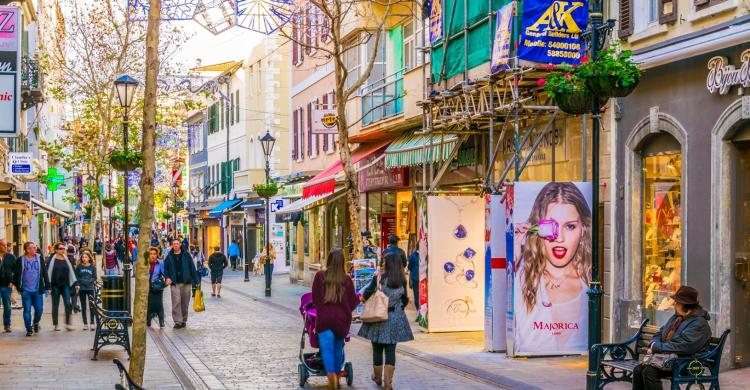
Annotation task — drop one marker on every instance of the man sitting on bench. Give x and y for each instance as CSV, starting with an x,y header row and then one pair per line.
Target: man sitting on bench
x,y
686,333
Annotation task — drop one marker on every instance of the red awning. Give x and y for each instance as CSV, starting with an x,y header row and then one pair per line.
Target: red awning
x,y
324,182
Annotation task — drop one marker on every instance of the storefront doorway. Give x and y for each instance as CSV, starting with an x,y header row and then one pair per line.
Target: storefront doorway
x,y
742,252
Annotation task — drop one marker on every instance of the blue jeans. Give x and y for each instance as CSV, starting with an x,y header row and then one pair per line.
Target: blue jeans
x,y
5,293
415,290
30,299
332,352
112,271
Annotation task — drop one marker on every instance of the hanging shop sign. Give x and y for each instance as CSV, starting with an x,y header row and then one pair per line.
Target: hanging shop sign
x,y
324,122
550,228
551,31
501,49
543,153
722,76
436,20
19,163
378,177
10,71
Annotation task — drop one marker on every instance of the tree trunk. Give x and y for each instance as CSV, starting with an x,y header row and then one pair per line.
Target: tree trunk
x,y
146,204
351,179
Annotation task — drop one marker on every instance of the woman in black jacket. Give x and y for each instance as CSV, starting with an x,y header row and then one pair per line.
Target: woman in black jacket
x,y
62,278
686,333
86,275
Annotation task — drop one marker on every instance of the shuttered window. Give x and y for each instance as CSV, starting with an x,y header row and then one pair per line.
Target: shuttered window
x,y
324,106
295,136
626,18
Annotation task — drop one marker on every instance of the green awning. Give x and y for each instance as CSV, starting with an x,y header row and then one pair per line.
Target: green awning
x,y
408,150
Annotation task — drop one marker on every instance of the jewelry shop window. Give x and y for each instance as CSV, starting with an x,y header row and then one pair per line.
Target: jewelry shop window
x,y
662,233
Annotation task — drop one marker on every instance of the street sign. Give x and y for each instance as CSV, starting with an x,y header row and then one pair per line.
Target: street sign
x,y
277,205
10,70
177,177
324,122
20,163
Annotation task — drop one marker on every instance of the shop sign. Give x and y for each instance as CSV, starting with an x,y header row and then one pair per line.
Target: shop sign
x,y
543,153
378,177
235,219
292,190
10,66
324,122
551,31
722,76
20,163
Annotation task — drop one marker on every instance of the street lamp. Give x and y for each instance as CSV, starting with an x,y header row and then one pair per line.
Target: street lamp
x,y
126,87
266,142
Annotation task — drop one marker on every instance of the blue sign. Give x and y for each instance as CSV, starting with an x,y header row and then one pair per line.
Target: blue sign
x,y
501,48
277,205
20,169
551,31
436,20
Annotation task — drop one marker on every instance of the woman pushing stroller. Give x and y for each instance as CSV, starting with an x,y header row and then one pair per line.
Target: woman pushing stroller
x,y
334,297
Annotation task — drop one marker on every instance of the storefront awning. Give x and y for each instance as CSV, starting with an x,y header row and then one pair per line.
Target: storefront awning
x,y
254,204
324,183
223,206
300,204
49,209
408,150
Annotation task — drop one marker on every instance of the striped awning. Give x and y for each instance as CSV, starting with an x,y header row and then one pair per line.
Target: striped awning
x,y
408,150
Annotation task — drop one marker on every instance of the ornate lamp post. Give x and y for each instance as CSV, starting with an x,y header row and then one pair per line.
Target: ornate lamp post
x,y
267,142
126,87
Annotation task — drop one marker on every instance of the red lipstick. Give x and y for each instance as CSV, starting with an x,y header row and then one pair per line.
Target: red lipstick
x,y
559,252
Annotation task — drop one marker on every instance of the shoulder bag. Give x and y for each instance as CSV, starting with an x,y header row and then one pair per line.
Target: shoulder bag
x,y
376,307
662,361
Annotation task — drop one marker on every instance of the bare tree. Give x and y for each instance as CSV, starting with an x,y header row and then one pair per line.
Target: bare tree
x,y
335,19
148,148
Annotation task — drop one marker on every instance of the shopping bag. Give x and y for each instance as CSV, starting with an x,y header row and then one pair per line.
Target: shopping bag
x,y
376,307
198,305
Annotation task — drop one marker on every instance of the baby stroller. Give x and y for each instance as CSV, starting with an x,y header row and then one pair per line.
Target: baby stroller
x,y
311,363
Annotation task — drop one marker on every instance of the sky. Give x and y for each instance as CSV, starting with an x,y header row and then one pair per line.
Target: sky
x,y
231,45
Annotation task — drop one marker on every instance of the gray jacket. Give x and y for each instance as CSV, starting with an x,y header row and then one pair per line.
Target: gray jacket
x,y
690,337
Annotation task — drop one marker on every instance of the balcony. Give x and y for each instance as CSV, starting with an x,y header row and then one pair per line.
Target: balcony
x,y
31,91
383,99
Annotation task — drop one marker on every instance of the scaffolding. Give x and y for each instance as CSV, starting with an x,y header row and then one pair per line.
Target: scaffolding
x,y
492,105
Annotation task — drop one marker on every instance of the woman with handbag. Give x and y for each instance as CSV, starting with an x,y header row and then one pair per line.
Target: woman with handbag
x,y
334,298
394,327
686,333
156,290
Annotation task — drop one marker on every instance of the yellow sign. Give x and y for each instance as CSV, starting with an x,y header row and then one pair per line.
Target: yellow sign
x,y
328,120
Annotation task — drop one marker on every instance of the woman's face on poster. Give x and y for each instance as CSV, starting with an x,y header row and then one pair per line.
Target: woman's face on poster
x,y
560,251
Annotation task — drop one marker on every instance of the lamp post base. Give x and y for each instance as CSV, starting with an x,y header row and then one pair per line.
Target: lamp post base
x,y
595,303
127,269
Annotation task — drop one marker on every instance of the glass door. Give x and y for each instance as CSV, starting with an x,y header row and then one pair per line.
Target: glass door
x,y
742,256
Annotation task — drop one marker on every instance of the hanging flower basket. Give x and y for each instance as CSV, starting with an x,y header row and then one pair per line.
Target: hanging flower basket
x,y
612,74
266,190
175,209
575,102
109,202
610,86
166,216
125,161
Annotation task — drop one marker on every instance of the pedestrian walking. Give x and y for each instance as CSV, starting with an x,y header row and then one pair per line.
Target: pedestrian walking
x,y
86,275
181,276
7,276
393,248
384,335
98,245
32,282
216,263
110,265
234,254
156,288
120,249
334,298
414,273
62,278
271,259
197,256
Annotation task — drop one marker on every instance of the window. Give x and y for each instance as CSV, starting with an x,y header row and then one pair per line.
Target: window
x,y
379,66
295,135
414,40
703,4
661,227
231,109
237,106
646,16
213,118
352,63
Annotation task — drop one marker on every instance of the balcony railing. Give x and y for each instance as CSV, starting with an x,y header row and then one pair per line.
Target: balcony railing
x,y
29,74
382,99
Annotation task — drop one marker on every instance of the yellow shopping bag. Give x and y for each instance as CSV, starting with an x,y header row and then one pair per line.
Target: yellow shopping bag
x,y
198,305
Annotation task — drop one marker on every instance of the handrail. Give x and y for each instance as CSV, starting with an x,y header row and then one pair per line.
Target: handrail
x,y
399,74
381,99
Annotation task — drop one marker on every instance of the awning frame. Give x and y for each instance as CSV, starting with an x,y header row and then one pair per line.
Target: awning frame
x,y
50,209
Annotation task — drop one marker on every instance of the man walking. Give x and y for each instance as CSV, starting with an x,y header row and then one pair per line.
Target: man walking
x,y
181,275
234,253
32,282
393,248
7,272
216,263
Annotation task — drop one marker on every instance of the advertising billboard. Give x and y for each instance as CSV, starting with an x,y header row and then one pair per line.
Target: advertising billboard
x,y
10,70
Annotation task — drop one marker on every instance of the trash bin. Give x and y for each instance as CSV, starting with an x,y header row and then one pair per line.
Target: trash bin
x,y
113,293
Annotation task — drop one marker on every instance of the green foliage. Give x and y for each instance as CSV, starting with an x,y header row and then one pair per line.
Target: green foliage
x,y
109,202
125,161
266,190
175,209
563,82
166,216
613,63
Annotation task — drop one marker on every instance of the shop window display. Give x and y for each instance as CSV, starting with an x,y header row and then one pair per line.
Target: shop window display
x,y
662,234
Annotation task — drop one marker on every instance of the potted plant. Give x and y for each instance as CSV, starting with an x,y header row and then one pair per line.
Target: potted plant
x,y
612,74
175,209
568,90
166,216
109,202
266,190
125,161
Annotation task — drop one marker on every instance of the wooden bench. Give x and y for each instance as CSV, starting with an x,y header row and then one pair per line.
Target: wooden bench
x,y
615,362
126,382
111,326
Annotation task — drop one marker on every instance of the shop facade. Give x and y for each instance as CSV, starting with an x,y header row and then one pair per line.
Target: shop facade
x,y
682,211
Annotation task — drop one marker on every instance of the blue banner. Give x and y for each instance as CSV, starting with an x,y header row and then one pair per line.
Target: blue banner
x,y
436,20
501,48
551,31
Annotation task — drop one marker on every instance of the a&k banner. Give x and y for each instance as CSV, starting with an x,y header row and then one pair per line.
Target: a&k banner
x,y
551,31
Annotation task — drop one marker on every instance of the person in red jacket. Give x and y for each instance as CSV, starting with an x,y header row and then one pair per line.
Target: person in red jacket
x,y
334,297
